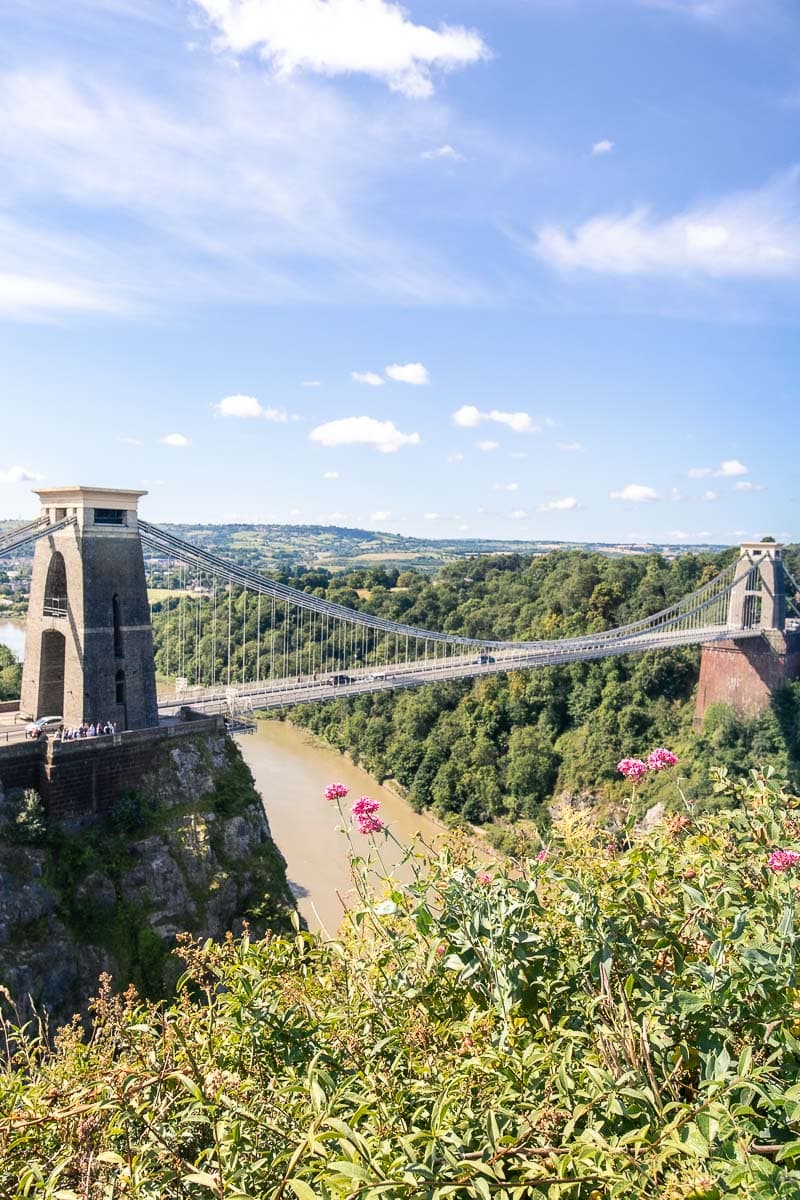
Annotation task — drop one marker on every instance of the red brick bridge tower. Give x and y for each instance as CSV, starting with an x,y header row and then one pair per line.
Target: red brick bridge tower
x,y
745,672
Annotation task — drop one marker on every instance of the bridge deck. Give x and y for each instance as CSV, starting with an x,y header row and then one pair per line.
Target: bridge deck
x,y
287,693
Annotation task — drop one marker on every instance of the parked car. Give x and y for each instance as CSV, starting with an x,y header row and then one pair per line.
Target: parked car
x,y
337,679
483,659
35,729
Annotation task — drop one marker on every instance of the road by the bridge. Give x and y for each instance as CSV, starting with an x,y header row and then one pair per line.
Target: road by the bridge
x,y
287,693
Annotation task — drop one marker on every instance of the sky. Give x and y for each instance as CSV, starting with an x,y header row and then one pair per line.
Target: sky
x,y
451,268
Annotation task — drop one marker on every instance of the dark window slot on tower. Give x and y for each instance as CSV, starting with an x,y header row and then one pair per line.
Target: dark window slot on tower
x,y
115,608
110,516
120,687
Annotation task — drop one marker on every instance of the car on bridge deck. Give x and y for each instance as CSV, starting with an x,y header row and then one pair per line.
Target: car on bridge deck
x,y
376,675
483,659
44,725
337,679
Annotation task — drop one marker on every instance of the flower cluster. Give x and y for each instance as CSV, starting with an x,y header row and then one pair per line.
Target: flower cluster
x,y
636,768
660,759
484,878
335,791
543,856
782,860
364,811
632,768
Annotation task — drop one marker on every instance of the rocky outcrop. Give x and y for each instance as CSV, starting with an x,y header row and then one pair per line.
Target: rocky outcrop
x,y
191,850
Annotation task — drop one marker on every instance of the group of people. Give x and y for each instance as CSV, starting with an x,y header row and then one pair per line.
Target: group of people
x,y
87,731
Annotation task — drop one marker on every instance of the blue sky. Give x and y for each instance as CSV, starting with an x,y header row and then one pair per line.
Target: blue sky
x,y
508,268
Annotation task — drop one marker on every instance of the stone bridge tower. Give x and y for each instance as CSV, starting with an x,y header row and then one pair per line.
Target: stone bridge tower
x,y
88,642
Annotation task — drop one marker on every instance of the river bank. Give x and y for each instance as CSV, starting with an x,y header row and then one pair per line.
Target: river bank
x,y
291,770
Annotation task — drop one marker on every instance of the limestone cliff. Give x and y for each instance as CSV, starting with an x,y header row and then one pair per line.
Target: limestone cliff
x,y
189,850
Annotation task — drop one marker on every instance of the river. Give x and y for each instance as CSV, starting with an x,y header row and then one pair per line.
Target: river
x,y
12,634
291,771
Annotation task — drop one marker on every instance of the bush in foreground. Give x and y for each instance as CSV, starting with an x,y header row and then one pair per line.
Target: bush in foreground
x,y
602,1021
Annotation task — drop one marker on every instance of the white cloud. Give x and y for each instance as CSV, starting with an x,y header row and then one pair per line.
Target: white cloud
x,y
311,383
488,446
518,514
571,447
604,146
248,407
446,151
753,234
414,373
367,377
636,493
128,441
333,37
469,417
730,468
431,516
363,431
463,528
175,439
711,495
457,457
744,485
335,516
505,487
383,514
568,504
19,475
330,474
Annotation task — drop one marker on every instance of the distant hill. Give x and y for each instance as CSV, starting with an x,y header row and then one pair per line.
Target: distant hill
x,y
286,546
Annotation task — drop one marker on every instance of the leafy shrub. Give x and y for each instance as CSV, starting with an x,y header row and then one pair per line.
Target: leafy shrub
x,y
590,1024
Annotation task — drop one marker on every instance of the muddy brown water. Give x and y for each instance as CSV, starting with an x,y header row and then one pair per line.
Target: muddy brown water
x,y
291,770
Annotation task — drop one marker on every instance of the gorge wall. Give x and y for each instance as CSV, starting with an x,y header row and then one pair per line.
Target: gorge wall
x,y
189,850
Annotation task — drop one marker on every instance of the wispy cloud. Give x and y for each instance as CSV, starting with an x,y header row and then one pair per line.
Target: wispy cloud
x,y
177,440
248,408
225,186
19,474
487,446
469,417
383,436
730,468
446,152
370,378
602,147
333,37
754,235
505,487
568,504
744,485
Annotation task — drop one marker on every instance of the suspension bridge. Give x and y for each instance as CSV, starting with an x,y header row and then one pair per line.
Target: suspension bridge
x,y
230,640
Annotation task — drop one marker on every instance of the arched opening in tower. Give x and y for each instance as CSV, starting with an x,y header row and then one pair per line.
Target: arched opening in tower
x,y
51,674
55,589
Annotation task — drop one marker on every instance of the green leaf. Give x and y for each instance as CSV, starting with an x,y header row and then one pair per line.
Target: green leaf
x,y
204,1179
302,1190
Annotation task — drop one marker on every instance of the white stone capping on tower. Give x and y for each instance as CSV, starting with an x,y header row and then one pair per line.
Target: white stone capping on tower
x,y
82,502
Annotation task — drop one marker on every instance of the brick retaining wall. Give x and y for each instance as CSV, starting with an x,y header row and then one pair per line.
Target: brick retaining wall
x,y
82,779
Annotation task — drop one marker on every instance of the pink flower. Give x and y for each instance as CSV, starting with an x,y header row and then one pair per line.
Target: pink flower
x,y
364,812
335,791
660,759
632,768
543,856
483,878
782,860
440,949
